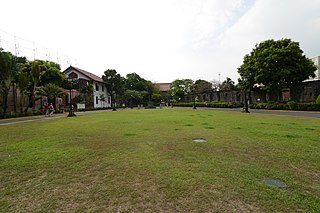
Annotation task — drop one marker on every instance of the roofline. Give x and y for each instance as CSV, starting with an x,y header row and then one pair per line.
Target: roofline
x,y
81,71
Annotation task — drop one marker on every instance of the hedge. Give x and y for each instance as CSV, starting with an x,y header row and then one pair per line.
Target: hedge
x,y
209,104
291,105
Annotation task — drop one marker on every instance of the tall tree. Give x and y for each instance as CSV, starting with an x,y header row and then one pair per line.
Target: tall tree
x,y
274,65
180,88
228,84
202,86
134,82
51,91
6,77
23,84
52,74
86,94
34,70
113,84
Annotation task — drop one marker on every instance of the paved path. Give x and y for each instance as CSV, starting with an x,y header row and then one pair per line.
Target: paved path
x,y
42,117
311,114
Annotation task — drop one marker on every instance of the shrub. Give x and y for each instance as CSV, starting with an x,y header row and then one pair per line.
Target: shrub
x,y
318,100
209,104
291,105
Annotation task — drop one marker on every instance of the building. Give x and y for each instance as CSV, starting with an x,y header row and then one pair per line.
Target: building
x,y
164,89
101,97
316,61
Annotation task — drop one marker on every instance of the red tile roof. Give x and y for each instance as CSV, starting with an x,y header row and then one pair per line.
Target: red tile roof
x,y
85,73
164,86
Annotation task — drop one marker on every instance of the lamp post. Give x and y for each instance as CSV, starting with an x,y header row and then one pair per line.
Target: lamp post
x,y
71,112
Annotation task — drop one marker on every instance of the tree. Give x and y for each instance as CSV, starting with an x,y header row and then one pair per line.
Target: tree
x,y
134,82
228,85
274,65
6,77
86,94
113,85
202,86
51,91
133,97
34,71
52,74
102,98
23,84
180,88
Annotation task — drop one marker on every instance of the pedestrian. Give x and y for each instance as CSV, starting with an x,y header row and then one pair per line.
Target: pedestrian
x,y
46,109
51,110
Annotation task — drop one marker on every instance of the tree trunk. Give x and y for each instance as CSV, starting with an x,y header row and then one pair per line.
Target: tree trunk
x,y
5,101
14,94
21,102
29,103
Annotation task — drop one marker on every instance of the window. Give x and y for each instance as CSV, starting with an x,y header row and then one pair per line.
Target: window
x,y
102,88
97,87
97,100
109,100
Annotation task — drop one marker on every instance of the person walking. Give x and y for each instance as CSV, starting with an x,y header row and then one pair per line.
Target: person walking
x,y
46,109
51,110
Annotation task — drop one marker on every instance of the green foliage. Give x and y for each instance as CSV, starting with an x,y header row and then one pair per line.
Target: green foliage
x,y
6,76
86,95
52,74
114,84
291,105
179,88
318,100
202,86
134,97
228,85
134,82
51,91
209,104
274,65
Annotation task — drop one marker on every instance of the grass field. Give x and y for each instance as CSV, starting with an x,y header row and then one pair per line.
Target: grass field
x,y
145,161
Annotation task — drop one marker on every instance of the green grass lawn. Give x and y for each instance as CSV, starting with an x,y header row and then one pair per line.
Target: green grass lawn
x,y
145,161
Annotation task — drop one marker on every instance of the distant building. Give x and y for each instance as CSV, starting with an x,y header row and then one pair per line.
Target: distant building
x,y
99,88
316,61
164,88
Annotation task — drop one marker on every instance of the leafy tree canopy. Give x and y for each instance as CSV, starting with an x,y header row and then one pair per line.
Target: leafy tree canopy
x,y
180,87
273,65
202,86
228,84
134,82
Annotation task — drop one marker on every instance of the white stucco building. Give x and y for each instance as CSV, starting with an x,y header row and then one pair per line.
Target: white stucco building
x,y
101,97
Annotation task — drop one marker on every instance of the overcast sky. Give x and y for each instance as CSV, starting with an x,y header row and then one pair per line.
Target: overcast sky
x,y
161,40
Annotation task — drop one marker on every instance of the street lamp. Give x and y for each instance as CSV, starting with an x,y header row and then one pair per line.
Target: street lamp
x,y
71,112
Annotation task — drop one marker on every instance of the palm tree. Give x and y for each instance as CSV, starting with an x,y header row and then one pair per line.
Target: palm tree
x,y
34,69
23,84
51,91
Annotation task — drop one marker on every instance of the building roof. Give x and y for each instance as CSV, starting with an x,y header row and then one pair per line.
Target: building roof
x,y
164,86
85,73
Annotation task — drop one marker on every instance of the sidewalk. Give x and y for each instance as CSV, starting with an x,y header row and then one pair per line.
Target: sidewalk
x,y
41,117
